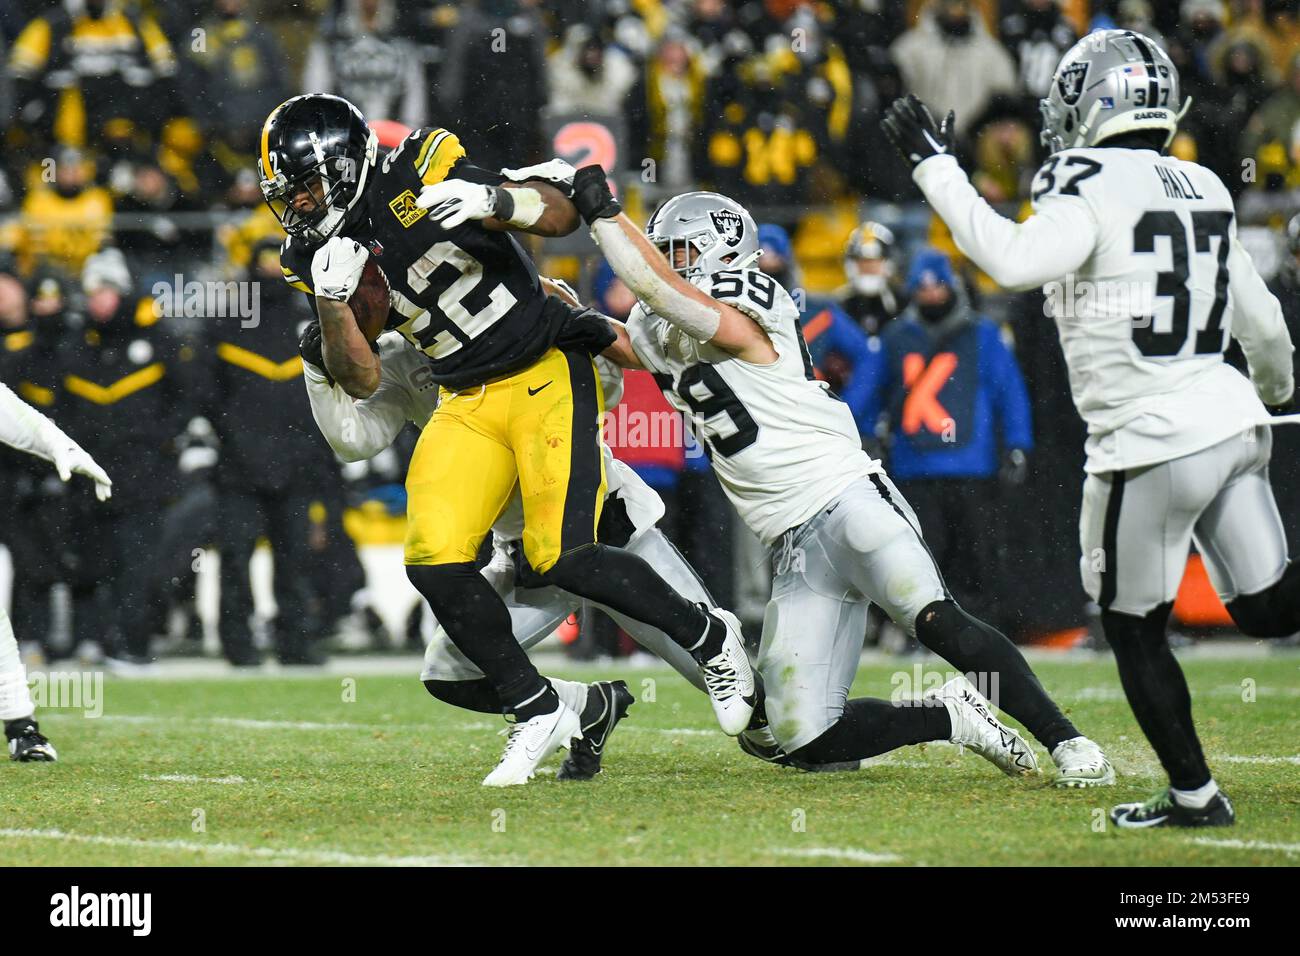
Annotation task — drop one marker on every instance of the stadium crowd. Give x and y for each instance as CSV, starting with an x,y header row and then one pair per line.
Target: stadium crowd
x,y
129,193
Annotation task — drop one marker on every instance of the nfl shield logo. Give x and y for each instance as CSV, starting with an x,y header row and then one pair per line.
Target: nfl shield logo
x,y
1070,82
728,225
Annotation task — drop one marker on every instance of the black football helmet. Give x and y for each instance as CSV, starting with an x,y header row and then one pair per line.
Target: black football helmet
x,y
319,144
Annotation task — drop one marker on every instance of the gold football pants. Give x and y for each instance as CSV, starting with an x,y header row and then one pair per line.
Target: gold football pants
x,y
538,429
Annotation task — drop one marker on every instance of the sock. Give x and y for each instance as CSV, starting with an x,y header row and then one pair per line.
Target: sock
x,y
628,584
870,727
710,643
974,647
18,726
478,623
15,698
1197,799
543,701
573,693
1157,693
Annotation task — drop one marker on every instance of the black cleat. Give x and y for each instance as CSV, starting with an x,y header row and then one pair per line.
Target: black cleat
x,y
1163,810
607,704
27,744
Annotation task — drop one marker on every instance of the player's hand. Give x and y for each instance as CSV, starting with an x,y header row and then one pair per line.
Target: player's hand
x,y
71,459
1015,468
585,330
554,171
454,201
310,348
911,128
591,195
336,268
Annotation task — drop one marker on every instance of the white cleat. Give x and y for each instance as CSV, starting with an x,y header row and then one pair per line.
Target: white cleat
x,y
974,726
531,742
729,679
1082,764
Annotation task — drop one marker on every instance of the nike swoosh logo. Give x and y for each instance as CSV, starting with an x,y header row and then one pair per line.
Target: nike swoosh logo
x,y
534,391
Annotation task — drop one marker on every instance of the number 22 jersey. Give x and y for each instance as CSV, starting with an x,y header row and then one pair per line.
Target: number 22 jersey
x,y
782,445
468,298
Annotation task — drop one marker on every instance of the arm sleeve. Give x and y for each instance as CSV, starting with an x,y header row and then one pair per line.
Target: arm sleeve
x,y
26,429
358,430
1258,325
1057,239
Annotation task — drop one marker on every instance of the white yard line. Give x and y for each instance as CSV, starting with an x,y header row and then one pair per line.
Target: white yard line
x,y
836,853
190,778
273,854
1234,758
1288,848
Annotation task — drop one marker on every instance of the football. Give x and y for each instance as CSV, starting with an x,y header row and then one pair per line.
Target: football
x,y
370,303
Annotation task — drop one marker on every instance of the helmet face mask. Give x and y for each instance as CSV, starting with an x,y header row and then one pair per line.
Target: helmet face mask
x,y
711,232
320,148
1111,82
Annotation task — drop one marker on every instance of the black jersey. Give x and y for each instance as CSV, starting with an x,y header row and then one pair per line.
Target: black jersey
x,y
468,298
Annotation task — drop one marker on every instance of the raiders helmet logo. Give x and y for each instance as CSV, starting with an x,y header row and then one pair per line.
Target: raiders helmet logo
x,y
1070,82
728,225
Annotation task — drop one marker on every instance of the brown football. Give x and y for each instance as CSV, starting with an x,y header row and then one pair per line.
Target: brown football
x,y
370,303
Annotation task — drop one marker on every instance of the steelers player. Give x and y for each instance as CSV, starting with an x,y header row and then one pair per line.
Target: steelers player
x,y
519,396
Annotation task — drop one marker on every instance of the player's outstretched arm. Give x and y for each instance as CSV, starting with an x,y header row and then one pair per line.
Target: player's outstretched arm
x,y
336,271
534,206
1258,324
621,352
1055,241
26,429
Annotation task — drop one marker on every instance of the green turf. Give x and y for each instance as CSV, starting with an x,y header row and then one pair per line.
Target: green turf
x,y
396,775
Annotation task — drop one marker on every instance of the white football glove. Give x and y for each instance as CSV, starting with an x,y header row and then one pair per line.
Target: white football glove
x,y
336,268
555,171
70,458
454,201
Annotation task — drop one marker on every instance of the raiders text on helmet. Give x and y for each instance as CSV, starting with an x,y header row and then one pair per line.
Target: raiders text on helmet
x,y
718,233
311,137
1111,82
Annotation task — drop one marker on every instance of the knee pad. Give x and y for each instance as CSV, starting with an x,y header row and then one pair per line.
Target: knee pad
x,y
476,695
1273,612
941,626
573,567
818,751
439,582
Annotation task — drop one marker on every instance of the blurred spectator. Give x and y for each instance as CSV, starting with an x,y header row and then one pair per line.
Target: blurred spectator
x,y
869,296
1275,120
1243,81
589,75
91,66
664,111
1037,34
362,56
1285,463
959,422
1004,151
949,60
63,224
493,85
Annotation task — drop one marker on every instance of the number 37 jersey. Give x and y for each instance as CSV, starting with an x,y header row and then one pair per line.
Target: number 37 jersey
x,y
782,445
468,298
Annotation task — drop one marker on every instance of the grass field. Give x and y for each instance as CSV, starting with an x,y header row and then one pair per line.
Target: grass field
x,y
284,770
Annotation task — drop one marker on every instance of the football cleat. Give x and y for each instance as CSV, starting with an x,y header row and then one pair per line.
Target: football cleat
x,y
974,726
530,742
1163,810
729,679
27,744
607,704
1081,763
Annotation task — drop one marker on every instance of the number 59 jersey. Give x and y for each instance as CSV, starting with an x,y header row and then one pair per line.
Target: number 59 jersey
x,y
782,445
468,298
1145,320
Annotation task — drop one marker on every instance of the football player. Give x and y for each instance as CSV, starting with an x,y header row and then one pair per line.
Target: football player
x,y
520,398
1139,257
26,429
723,340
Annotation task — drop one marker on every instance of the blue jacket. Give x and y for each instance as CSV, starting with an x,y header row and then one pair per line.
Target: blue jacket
x,y
833,337
953,395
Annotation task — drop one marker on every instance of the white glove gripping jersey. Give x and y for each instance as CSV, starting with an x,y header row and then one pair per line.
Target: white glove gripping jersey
x,y
781,444
358,430
1139,259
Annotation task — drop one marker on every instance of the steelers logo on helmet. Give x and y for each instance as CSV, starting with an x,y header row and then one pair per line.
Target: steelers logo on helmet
x,y
728,225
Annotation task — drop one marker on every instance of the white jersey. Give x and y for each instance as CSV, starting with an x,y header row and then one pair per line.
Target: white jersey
x,y
1139,258
359,430
781,444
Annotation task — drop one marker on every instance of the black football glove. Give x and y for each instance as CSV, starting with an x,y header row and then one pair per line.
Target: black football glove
x,y
911,128
591,195
585,330
309,347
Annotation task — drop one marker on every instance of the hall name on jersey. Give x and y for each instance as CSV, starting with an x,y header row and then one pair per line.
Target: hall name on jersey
x,y
1177,183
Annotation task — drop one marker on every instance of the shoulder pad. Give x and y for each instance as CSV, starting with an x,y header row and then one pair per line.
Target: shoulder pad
x,y
436,151
756,294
